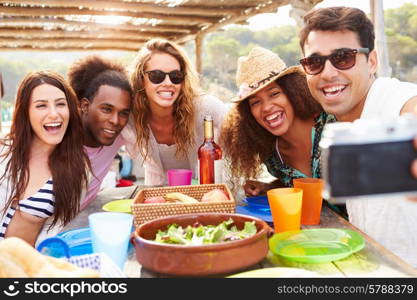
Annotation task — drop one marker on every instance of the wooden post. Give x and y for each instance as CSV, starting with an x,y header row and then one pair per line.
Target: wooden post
x,y
372,9
299,8
384,69
198,53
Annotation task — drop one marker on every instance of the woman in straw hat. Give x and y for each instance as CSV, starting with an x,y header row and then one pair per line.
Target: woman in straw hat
x,y
275,121
170,110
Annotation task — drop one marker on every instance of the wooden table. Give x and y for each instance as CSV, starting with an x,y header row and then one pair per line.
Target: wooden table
x,y
372,261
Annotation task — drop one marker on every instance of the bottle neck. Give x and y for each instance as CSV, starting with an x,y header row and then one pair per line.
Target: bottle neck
x,y
208,130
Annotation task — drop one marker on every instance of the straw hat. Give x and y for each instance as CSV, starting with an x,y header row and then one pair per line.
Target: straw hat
x,y
258,69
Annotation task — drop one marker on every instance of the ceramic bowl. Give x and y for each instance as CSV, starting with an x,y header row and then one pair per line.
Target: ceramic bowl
x,y
202,260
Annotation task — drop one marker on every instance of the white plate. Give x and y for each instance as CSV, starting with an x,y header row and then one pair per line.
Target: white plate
x,y
276,273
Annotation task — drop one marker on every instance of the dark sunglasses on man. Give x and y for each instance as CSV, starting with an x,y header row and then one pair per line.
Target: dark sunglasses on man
x,y
341,59
158,76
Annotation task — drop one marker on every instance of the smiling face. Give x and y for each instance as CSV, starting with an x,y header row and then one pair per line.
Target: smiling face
x,y
164,94
105,116
48,115
272,110
340,92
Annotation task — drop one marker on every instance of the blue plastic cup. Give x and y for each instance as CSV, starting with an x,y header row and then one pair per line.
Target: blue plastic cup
x,y
110,234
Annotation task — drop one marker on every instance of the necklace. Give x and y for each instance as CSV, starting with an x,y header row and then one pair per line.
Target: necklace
x,y
277,149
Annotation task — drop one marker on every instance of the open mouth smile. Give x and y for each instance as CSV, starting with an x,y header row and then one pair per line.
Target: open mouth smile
x,y
53,127
274,120
333,91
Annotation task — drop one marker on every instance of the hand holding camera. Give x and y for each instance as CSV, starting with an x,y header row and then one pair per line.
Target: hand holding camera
x,y
369,157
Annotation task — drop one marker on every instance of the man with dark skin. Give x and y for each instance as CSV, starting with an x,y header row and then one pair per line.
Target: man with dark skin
x,y
105,94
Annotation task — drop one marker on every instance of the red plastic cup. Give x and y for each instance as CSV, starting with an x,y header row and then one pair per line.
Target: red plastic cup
x,y
179,177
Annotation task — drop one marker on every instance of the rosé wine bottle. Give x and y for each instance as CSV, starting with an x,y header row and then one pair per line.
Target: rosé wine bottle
x,y
209,156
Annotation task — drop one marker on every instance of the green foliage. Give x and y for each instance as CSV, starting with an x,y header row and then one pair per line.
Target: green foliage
x,y
13,70
398,19
14,65
222,50
401,32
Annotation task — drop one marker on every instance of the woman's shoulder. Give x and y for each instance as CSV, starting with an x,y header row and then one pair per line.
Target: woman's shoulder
x,y
208,100
210,104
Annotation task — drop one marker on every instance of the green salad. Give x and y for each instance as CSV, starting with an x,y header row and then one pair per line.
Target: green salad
x,y
202,235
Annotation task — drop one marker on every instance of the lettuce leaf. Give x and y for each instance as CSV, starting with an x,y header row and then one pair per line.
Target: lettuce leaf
x,y
201,235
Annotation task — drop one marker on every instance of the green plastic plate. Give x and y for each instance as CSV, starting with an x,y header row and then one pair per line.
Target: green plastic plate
x,y
123,206
316,245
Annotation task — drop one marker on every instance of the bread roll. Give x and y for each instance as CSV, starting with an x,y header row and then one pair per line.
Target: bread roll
x,y
215,195
19,259
9,268
180,197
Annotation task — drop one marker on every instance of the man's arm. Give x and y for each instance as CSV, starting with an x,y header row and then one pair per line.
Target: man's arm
x,y
256,188
414,163
414,169
410,106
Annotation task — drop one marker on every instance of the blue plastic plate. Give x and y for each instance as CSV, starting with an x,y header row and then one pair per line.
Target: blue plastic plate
x,y
258,200
257,207
78,240
55,247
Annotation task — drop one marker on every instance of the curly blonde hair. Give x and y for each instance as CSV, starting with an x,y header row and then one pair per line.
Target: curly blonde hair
x,y
247,144
184,106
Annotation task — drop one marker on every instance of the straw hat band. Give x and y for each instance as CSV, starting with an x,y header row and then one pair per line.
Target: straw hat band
x,y
271,75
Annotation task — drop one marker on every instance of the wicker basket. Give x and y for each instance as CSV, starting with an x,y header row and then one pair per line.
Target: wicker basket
x,y
144,212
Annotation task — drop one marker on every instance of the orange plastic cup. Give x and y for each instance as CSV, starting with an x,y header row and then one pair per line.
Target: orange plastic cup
x,y
285,204
312,199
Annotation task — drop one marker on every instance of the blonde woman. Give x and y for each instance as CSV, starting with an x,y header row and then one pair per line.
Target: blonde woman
x,y
169,110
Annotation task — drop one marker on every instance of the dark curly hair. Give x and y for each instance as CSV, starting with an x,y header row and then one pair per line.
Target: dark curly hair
x,y
89,73
241,131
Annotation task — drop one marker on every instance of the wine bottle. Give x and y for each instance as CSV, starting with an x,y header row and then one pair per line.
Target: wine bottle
x,y
209,156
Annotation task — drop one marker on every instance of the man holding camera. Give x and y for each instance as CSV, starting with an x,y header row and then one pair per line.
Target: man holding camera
x,y
340,62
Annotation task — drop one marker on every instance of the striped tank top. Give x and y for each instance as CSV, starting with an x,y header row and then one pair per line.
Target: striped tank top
x,y
41,205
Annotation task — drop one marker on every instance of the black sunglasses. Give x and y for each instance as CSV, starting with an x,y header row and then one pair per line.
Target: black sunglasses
x,y
158,76
341,59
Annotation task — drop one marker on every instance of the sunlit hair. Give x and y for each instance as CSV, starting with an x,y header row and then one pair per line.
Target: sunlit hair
x,y
184,106
68,162
89,73
246,144
339,19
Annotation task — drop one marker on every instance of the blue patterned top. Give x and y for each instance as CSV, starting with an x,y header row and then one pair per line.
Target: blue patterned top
x,y
286,173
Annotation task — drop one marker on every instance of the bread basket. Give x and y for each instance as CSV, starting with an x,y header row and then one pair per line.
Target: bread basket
x,y
143,212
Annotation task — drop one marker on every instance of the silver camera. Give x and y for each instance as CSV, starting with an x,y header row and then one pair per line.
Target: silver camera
x,y
368,157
